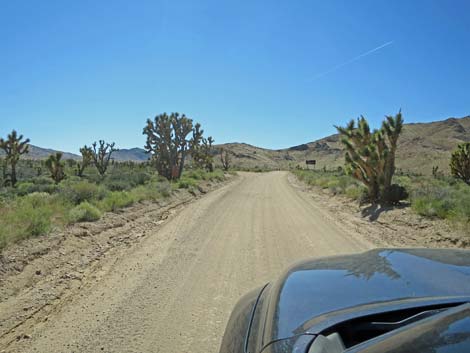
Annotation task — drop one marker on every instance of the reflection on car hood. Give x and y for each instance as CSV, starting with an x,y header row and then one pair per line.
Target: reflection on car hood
x,y
313,288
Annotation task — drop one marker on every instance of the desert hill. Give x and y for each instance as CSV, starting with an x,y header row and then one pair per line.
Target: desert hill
x,y
131,154
421,146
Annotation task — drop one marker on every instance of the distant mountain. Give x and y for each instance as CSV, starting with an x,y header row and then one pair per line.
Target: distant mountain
x,y
36,152
420,147
133,154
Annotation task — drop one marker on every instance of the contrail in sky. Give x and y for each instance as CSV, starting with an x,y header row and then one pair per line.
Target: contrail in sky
x,y
351,61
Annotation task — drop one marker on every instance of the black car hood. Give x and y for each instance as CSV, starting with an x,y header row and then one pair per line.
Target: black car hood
x,y
314,288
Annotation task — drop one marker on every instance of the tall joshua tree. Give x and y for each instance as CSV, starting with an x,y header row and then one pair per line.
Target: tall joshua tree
x,y
101,154
392,128
87,157
370,156
201,149
168,143
55,165
14,147
225,159
460,162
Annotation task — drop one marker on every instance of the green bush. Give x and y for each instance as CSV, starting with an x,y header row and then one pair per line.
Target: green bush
x,y
117,185
26,216
441,200
126,180
78,192
35,214
24,188
85,212
163,187
153,190
335,181
39,184
356,192
216,175
196,174
199,174
37,204
116,200
185,183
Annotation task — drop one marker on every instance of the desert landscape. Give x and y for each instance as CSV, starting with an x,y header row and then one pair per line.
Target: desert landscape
x,y
234,177
122,262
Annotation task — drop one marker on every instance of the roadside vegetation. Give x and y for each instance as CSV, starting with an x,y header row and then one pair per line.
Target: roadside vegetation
x,y
369,175
37,196
442,197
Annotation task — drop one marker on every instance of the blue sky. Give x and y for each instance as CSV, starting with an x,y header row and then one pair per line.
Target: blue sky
x,y
269,73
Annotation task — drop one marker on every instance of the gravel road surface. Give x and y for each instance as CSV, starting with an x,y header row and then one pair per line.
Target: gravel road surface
x,y
174,291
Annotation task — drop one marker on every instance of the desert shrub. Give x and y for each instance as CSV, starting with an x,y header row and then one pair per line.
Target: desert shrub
x,y
140,177
333,186
36,185
78,192
117,184
431,207
200,174
163,187
438,199
335,181
24,187
115,200
34,213
120,180
26,216
85,212
145,192
216,175
185,183
7,193
356,192
196,174
339,183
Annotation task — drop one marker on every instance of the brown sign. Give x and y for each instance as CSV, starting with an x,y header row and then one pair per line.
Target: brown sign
x,y
311,161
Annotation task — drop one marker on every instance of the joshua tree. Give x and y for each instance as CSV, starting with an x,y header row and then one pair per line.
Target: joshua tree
x,y
167,142
225,158
207,148
3,165
201,149
370,156
101,155
87,157
460,162
56,167
38,168
14,148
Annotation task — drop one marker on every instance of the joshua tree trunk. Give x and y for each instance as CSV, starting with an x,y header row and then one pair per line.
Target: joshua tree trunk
x,y
13,178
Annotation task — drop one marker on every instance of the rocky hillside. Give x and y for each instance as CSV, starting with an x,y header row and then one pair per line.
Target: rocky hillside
x,y
421,146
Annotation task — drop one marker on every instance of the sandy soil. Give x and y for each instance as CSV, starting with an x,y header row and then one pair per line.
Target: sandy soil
x,y
397,226
172,288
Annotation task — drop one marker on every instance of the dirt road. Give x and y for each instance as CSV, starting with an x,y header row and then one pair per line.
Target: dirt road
x,y
174,291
